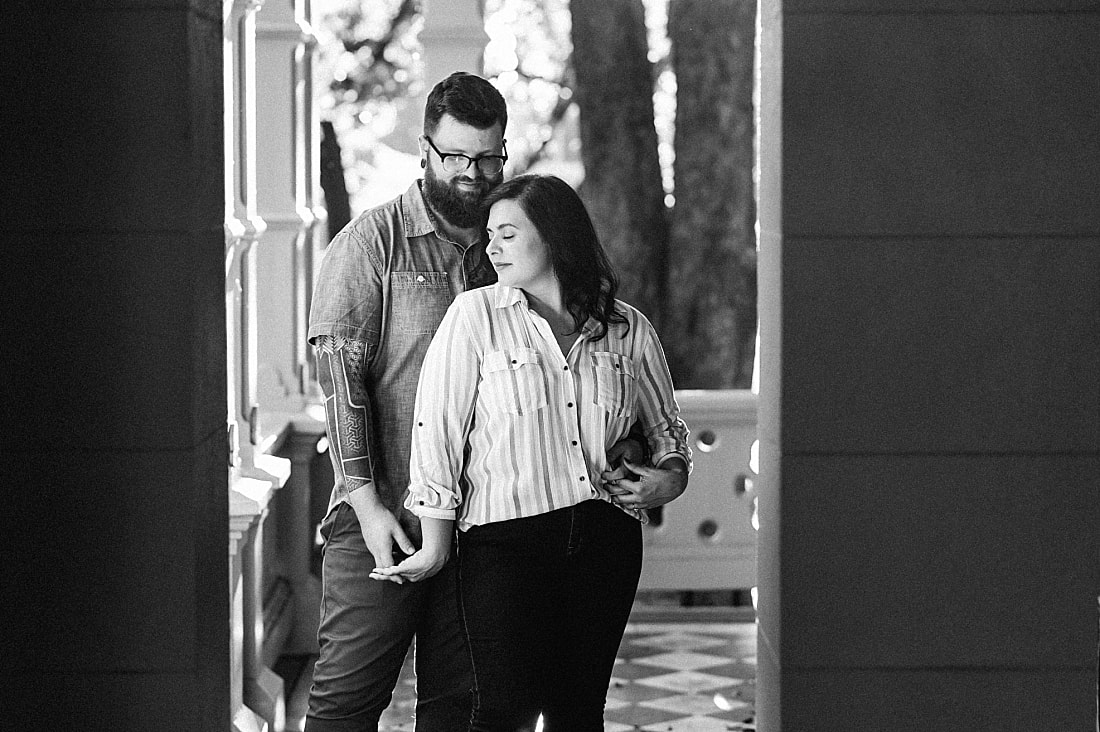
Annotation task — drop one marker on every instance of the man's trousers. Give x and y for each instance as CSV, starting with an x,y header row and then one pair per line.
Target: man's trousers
x,y
365,631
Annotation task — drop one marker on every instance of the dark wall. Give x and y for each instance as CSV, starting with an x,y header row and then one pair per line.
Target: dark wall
x,y
931,407
114,561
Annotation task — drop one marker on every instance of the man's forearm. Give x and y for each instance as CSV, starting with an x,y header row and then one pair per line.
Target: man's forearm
x,y
340,372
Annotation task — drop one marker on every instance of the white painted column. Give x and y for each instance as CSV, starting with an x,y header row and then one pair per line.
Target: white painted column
x,y
453,39
290,203
243,226
253,476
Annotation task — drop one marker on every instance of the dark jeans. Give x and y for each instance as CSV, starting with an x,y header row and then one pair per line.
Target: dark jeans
x,y
365,632
545,602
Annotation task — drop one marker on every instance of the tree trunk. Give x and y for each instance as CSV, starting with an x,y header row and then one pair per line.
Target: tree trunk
x,y
622,184
337,201
712,303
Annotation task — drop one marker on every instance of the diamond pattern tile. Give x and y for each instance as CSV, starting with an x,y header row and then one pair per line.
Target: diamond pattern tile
x,y
634,692
686,682
696,704
630,671
685,676
685,660
678,641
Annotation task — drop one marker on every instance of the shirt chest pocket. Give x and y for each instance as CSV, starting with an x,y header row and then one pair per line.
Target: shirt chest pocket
x,y
512,381
616,381
419,300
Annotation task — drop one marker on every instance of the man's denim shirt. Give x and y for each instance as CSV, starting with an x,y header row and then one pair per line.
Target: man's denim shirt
x,y
386,280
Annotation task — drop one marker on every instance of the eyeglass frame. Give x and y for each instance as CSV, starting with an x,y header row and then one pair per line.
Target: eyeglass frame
x,y
470,160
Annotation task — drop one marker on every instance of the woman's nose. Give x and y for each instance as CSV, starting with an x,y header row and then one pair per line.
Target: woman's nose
x,y
493,247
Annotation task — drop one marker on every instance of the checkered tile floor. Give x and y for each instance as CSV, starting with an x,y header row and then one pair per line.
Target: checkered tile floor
x,y
679,676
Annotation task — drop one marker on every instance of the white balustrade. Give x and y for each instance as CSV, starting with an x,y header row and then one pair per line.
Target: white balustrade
x,y
705,539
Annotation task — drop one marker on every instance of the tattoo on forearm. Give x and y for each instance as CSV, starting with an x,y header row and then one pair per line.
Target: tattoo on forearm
x,y
354,431
352,355
341,364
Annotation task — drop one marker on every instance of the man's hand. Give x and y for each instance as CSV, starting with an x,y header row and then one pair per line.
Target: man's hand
x,y
623,450
381,529
428,560
654,486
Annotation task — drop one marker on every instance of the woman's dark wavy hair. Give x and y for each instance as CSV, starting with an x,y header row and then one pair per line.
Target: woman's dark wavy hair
x,y
587,280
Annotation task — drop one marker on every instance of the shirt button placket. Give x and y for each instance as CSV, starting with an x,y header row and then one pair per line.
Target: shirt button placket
x,y
576,441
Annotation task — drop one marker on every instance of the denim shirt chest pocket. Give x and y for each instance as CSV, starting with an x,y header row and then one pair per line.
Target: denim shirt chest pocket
x,y
512,381
419,300
616,381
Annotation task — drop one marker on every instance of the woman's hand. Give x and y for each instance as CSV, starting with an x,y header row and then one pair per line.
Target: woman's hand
x,y
416,567
653,487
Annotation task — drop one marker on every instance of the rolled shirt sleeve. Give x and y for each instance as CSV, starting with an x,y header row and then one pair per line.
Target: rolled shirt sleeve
x,y
445,402
658,412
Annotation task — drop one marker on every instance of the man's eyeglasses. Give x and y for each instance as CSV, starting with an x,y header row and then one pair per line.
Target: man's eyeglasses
x,y
458,163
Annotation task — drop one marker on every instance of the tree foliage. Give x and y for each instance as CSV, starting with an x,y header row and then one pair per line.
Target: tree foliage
x,y
686,258
529,58
592,82
372,55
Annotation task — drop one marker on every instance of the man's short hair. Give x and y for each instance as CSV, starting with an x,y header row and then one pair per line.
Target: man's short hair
x,y
469,99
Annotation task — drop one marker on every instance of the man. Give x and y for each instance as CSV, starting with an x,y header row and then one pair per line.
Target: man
x,y
383,287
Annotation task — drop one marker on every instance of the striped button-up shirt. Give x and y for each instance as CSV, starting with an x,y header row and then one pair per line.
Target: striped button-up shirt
x,y
505,426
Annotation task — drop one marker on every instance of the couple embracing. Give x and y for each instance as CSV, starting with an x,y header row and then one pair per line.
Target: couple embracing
x,y
499,423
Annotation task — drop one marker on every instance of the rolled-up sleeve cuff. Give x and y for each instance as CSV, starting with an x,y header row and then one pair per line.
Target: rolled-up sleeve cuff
x,y
427,502
660,457
340,329
428,512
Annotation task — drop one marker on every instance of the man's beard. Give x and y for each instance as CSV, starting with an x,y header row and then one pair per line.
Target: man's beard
x,y
460,208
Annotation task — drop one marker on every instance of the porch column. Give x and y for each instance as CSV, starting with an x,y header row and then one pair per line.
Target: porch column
x,y
930,260
253,474
113,556
291,204
289,201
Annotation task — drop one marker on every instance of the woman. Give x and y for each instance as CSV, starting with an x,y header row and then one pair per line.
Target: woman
x,y
525,386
